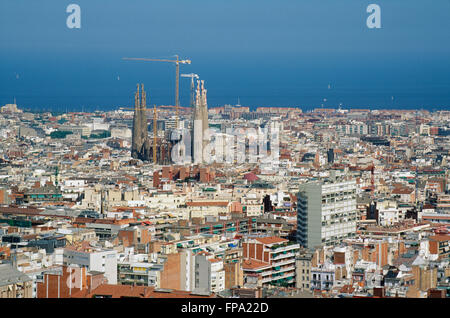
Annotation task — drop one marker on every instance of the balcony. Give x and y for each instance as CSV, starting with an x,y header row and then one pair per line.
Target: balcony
x,y
286,262
303,223
286,275
286,269
283,256
303,216
267,279
129,271
282,248
133,280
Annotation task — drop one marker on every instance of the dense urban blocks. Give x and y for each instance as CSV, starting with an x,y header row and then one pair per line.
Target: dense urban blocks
x,y
355,205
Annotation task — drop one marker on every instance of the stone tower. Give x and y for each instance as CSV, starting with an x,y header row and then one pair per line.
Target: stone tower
x,y
200,124
140,133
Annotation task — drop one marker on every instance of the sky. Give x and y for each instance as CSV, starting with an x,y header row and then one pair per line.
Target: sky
x,y
298,53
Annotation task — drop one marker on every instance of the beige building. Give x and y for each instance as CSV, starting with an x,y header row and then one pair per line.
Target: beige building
x,y
303,264
201,209
74,235
14,284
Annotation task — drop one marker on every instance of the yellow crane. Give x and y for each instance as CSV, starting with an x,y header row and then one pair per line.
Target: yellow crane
x,y
177,76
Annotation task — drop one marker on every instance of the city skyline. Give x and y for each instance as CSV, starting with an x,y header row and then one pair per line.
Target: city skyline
x,y
235,155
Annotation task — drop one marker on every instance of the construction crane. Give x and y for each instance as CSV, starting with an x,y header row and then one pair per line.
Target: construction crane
x,y
192,76
177,75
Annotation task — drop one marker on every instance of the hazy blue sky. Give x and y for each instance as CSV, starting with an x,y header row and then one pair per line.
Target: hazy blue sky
x,y
277,52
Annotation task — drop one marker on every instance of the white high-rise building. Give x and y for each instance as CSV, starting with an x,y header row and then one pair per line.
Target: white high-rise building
x,y
326,212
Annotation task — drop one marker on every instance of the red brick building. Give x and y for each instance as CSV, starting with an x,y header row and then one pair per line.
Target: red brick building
x,y
68,281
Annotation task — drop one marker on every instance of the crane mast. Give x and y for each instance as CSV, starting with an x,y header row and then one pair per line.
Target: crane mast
x,y
177,76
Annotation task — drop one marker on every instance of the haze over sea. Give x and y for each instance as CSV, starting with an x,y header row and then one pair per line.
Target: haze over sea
x,y
297,53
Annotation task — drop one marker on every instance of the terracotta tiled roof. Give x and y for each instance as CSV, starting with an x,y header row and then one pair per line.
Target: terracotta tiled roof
x,y
440,238
215,260
271,240
252,264
203,253
436,217
121,291
402,191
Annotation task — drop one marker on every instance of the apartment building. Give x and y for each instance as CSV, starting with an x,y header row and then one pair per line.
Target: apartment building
x,y
271,257
210,267
76,234
13,283
303,265
207,208
65,281
217,275
388,213
252,205
326,212
440,245
323,276
93,258
139,274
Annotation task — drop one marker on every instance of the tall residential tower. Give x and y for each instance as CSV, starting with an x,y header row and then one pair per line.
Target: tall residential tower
x,y
326,212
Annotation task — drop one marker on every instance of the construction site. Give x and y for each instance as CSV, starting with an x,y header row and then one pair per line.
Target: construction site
x,y
157,148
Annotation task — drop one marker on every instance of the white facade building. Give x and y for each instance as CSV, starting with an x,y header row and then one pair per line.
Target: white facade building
x,y
104,261
326,212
